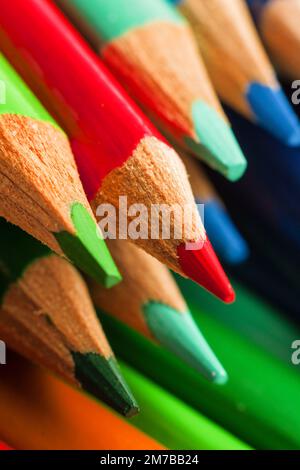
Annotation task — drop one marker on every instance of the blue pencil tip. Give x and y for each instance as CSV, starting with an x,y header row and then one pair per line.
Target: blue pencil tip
x,y
274,113
223,234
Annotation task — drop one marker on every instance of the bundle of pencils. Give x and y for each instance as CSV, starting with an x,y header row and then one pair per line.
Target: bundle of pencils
x,y
96,114
259,397
149,301
75,146
45,414
152,51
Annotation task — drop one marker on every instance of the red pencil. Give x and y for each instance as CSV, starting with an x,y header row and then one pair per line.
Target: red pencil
x,y
4,446
118,151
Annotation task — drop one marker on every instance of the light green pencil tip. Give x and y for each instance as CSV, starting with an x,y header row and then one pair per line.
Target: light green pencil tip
x,y
217,144
87,250
179,333
103,379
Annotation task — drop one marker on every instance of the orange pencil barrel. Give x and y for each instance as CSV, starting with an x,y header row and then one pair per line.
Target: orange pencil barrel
x,y
45,414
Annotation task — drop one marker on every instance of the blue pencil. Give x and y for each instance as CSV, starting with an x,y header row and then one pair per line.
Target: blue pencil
x,y
238,65
220,227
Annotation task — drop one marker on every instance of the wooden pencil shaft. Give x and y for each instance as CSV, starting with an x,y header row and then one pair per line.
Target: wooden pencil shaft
x,y
40,187
234,59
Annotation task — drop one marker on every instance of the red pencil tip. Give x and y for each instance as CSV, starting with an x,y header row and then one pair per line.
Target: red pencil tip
x,y
203,267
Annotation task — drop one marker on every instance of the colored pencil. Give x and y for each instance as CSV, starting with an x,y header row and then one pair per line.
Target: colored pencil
x,y
40,189
263,325
45,414
259,402
47,315
150,48
4,446
172,422
225,237
277,22
239,67
117,151
149,301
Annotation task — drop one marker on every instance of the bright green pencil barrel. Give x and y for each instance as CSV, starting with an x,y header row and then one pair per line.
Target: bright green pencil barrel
x,y
259,404
172,422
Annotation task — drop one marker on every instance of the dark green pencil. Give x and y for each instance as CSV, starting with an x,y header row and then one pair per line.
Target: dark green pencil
x,y
46,315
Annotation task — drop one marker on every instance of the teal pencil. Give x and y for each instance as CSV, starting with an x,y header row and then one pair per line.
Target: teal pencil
x,y
149,301
151,49
259,402
250,317
238,64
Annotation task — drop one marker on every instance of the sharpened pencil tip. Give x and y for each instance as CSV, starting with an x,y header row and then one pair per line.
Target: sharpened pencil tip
x,y
224,236
217,145
202,266
102,378
179,333
87,250
274,113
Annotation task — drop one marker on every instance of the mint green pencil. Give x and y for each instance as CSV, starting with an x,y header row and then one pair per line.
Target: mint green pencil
x,y
259,403
151,49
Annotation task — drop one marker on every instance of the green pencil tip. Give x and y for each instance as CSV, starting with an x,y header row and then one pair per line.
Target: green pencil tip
x,y
217,144
103,379
179,333
87,250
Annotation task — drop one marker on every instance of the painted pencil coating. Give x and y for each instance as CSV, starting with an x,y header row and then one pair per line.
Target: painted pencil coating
x,y
172,422
258,405
91,106
63,419
125,17
4,446
17,98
